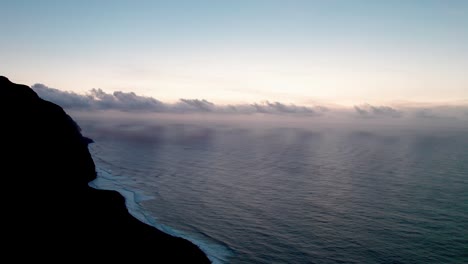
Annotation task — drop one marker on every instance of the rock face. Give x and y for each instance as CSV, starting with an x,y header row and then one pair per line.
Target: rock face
x,y
48,210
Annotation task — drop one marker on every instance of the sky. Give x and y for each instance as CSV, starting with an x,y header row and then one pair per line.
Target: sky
x,y
235,52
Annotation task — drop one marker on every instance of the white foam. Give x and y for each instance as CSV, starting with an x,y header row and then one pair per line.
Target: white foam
x,y
105,180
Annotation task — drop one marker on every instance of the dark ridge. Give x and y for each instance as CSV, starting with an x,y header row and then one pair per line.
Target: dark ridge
x,y
48,210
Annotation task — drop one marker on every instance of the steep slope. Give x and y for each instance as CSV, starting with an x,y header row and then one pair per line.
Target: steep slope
x,y
48,210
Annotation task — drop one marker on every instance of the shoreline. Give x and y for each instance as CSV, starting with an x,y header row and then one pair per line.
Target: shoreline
x,y
105,181
47,161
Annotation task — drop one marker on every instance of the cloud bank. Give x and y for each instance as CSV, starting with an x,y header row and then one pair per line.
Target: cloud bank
x,y
97,99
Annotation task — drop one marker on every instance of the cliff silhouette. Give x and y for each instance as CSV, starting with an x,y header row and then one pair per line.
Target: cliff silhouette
x,y
48,210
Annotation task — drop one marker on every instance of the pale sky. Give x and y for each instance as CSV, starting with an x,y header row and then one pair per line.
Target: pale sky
x,y
302,52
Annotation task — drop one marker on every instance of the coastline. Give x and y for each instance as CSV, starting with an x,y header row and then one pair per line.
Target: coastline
x,y
217,254
49,168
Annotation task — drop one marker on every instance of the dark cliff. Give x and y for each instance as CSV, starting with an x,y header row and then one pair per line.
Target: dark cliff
x,y
48,210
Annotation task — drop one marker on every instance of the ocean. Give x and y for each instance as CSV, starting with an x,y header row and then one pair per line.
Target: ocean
x,y
285,194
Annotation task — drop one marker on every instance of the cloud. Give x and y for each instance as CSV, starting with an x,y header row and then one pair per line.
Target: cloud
x,y
65,99
280,108
371,111
194,105
97,99
125,101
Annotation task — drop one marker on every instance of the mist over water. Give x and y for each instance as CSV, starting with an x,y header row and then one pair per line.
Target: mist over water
x,y
274,189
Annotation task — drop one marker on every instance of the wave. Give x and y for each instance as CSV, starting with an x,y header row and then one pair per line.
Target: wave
x,y
217,253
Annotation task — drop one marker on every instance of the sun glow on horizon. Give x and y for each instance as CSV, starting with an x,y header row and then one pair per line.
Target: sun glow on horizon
x,y
305,52
228,81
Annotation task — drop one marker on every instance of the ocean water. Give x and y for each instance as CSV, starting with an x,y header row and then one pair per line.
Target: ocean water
x,y
294,195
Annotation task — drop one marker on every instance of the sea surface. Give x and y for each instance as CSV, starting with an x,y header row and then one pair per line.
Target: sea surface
x,y
295,195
